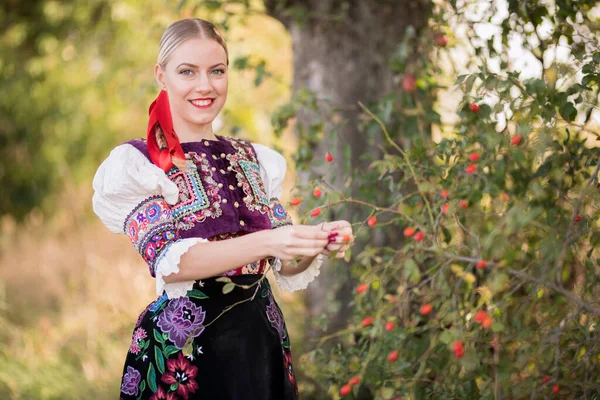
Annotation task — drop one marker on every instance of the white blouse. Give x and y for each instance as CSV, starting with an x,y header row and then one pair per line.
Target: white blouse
x,y
126,178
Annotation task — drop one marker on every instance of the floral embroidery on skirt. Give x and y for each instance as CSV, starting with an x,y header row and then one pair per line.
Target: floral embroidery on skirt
x,y
238,353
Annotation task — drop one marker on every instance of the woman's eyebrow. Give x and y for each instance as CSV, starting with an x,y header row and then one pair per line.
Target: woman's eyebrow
x,y
195,66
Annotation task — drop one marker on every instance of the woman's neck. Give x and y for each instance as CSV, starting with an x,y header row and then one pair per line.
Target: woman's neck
x,y
196,133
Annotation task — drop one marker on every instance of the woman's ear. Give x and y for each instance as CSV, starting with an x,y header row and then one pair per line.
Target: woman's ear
x,y
160,77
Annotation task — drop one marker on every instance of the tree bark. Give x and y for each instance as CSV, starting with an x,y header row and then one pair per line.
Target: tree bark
x,y
341,51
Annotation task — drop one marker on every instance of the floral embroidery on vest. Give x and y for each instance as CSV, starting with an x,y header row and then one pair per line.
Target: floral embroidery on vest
x,y
278,215
197,200
151,230
247,173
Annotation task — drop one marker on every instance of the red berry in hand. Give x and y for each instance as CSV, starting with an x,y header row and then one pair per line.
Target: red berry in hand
x,y
444,194
555,389
367,321
409,83
346,238
577,218
474,156
463,204
372,221
295,201
481,264
389,326
545,379
393,356
426,309
315,212
345,390
362,288
419,236
475,107
329,157
409,231
317,192
516,140
471,169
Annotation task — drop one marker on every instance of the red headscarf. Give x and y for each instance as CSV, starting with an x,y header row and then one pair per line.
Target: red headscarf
x,y
160,154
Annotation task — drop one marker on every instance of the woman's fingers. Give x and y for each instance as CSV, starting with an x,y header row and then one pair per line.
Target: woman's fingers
x,y
310,232
309,243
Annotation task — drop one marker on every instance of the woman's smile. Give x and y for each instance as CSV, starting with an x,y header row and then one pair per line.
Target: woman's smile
x,y
202,103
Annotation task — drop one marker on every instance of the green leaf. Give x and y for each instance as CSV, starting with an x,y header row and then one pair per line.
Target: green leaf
x,y
151,378
160,362
158,337
228,287
411,271
196,294
173,387
223,279
171,350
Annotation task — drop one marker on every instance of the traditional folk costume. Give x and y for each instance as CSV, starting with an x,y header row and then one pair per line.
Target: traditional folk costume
x,y
229,188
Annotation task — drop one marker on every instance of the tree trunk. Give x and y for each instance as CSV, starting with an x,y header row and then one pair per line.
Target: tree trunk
x,y
345,60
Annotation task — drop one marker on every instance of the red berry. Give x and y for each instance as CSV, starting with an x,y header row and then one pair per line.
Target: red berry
x,y
329,157
475,107
315,212
555,389
345,390
458,349
346,238
516,140
409,83
480,316
545,379
445,208
426,309
362,288
471,169
389,326
441,40
419,236
463,204
367,321
317,192
505,197
372,221
577,218
409,231
354,381
444,194
487,322
474,156
393,356
295,201
481,264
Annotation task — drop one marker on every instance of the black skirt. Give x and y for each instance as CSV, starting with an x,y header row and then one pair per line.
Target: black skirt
x,y
239,347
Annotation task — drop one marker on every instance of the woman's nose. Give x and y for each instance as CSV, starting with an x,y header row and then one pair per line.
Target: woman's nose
x,y
203,83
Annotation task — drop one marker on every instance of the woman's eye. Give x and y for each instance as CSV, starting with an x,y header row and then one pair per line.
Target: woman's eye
x,y
222,71
183,72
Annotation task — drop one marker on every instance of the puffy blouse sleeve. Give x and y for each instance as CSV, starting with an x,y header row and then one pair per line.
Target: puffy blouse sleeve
x,y
132,196
272,170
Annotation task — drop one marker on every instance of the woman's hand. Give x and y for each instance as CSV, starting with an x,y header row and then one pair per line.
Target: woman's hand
x,y
342,241
292,241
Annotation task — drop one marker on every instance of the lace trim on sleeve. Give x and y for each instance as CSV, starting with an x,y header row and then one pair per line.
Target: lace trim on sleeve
x,y
299,281
169,264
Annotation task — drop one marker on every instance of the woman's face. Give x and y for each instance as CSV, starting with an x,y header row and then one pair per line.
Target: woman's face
x,y
197,70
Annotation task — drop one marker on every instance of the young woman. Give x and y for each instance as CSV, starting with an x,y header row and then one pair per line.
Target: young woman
x,y
203,211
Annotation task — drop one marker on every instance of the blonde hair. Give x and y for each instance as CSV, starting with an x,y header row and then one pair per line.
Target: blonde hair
x,y
177,33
